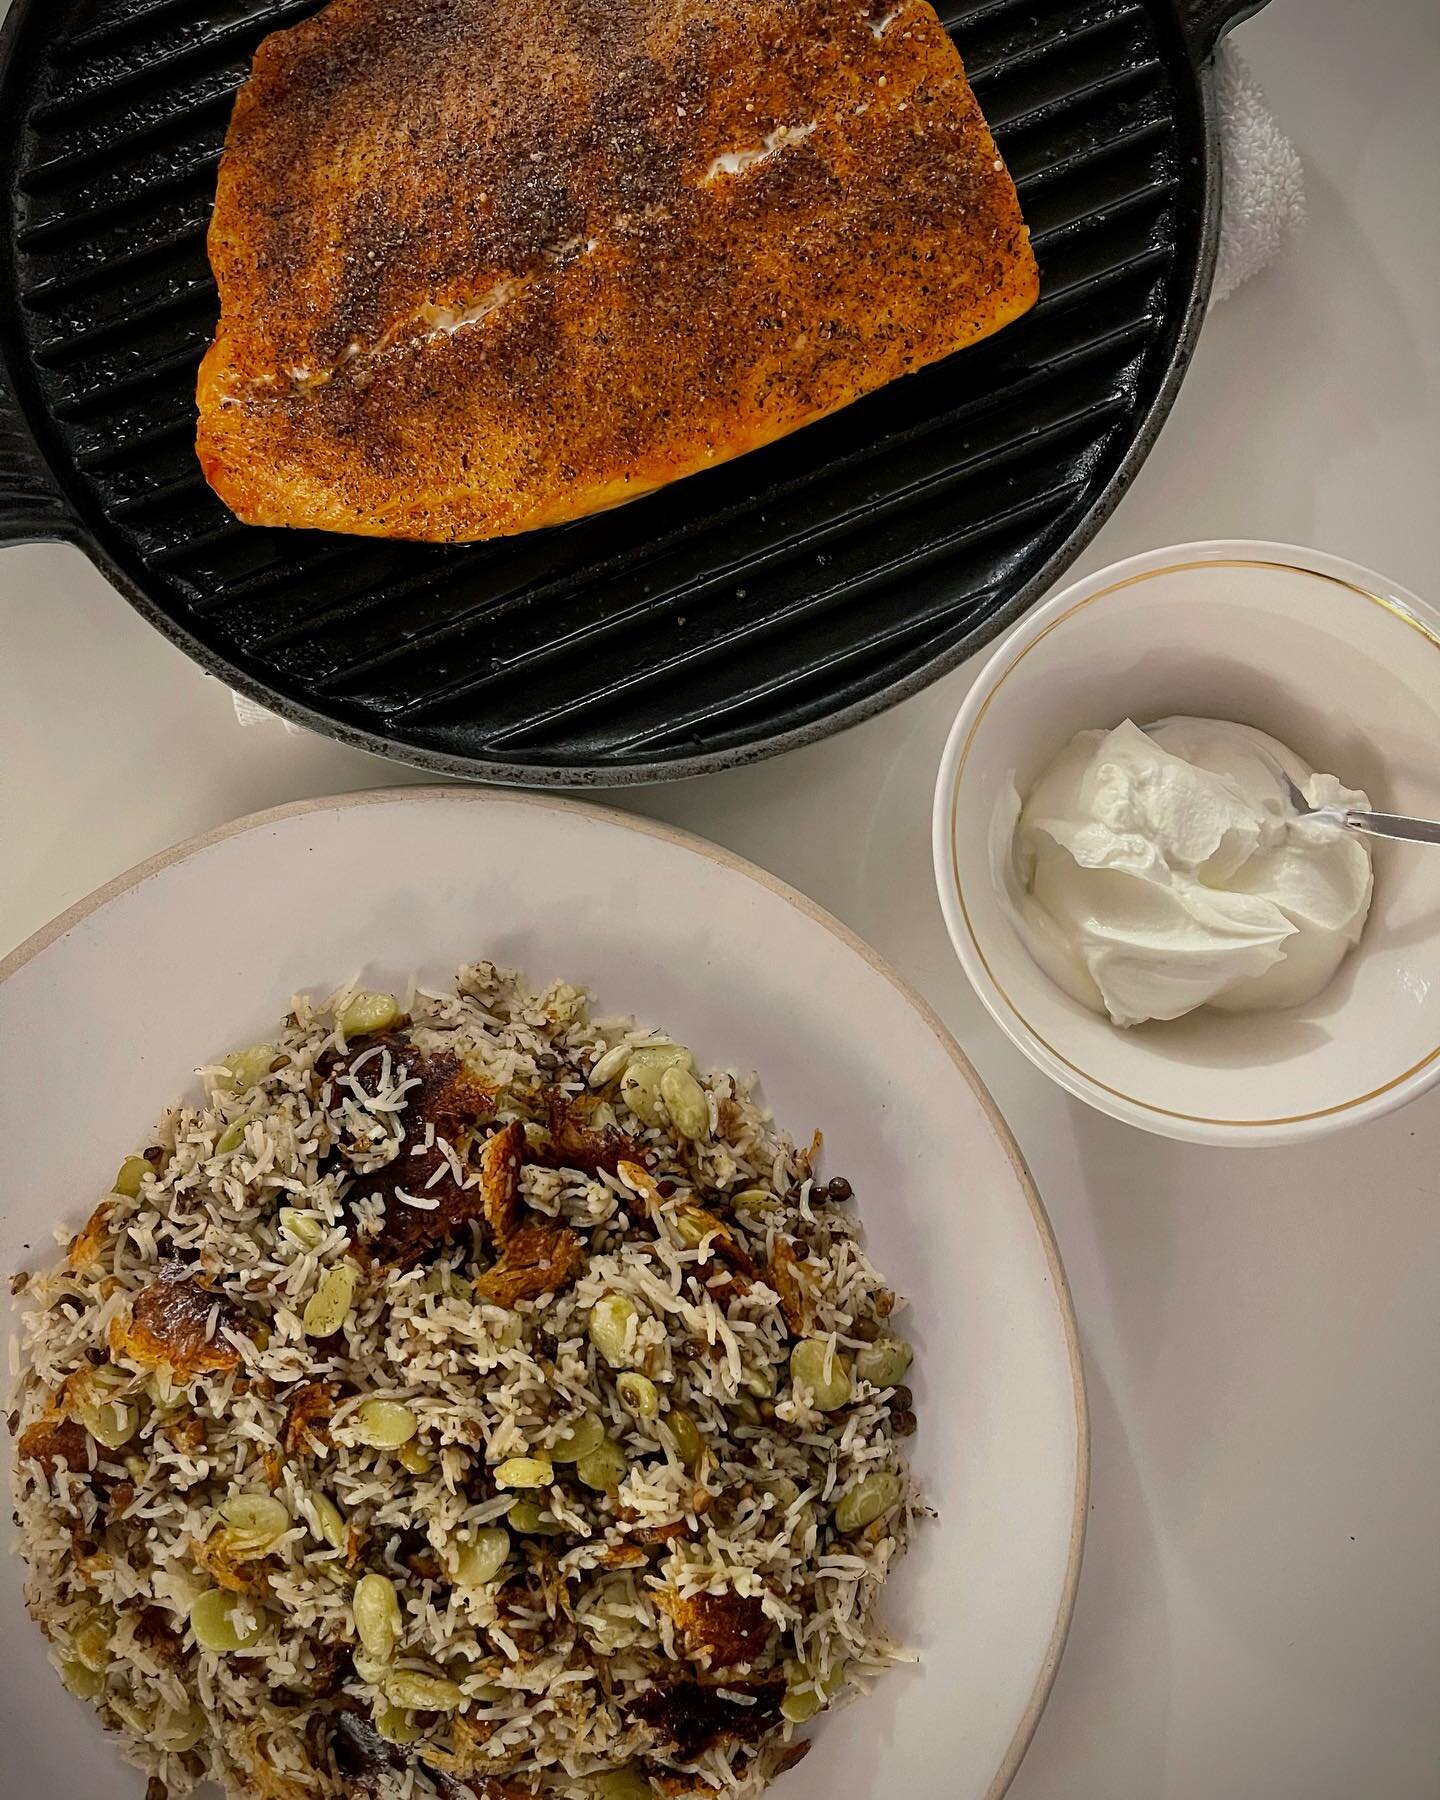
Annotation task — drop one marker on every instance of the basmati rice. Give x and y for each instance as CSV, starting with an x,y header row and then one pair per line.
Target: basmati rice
x,y
619,1596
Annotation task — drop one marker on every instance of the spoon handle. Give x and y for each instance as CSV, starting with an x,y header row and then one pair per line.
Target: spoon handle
x,y
1392,825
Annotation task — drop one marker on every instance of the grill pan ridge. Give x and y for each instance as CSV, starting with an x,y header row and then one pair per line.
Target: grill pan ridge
x,y
733,615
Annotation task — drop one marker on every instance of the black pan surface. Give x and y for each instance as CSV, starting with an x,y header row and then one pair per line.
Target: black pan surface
x,y
736,614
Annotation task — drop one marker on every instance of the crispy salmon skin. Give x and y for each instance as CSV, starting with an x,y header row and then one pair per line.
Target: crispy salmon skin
x,y
489,267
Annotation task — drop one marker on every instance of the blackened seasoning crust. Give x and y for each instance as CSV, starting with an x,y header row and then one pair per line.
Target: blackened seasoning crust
x,y
488,267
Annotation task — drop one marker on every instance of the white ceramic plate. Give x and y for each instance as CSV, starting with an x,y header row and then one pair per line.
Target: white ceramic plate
x,y
103,1015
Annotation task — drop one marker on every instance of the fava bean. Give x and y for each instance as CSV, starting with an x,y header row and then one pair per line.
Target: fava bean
x,y
884,1363
661,1056
609,1064
83,1683
613,1324
130,1714
800,1705
384,1424
394,1724
604,1468
212,1619
247,1068
785,1491
871,1498
480,1557
526,1516
808,1362
685,1436
639,1394
177,1732
90,1640
421,1693
133,1171
329,1520
640,1090
686,1103
378,1619
579,1439
257,1518
232,1137
110,1422
640,1084
304,1228
693,1226
524,1472
326,1309
621,1784
364,1013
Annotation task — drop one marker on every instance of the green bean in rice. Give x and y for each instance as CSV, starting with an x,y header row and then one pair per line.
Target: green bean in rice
x,y
466,1399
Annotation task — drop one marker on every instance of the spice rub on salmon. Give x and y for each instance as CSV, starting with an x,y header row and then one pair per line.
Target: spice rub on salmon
x,y
486,268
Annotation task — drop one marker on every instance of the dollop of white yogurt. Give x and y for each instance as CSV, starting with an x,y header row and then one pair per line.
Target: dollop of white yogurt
x,y
1156,871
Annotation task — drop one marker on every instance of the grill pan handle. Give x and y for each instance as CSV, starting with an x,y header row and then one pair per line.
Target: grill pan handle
x,y
1205,22
31,505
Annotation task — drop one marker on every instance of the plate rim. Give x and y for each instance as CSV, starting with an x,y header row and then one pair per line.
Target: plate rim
x,y
141,872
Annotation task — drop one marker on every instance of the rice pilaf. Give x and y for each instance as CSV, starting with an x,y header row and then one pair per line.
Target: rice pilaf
x,y
465,1399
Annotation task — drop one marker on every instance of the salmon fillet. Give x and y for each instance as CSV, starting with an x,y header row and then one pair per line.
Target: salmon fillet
x,y
488,265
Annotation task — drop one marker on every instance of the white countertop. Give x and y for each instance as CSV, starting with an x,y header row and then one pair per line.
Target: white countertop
x,y
1259,1614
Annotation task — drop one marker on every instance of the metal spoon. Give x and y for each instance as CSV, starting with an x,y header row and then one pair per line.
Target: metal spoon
x,y
1373,824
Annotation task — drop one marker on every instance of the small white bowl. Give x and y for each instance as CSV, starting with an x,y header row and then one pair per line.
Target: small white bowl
x,y
1336,662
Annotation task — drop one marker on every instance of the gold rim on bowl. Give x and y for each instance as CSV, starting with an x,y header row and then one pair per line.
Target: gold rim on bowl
x,y
1387,604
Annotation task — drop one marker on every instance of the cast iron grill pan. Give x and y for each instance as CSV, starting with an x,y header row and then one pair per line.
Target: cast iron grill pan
x,y
755,606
